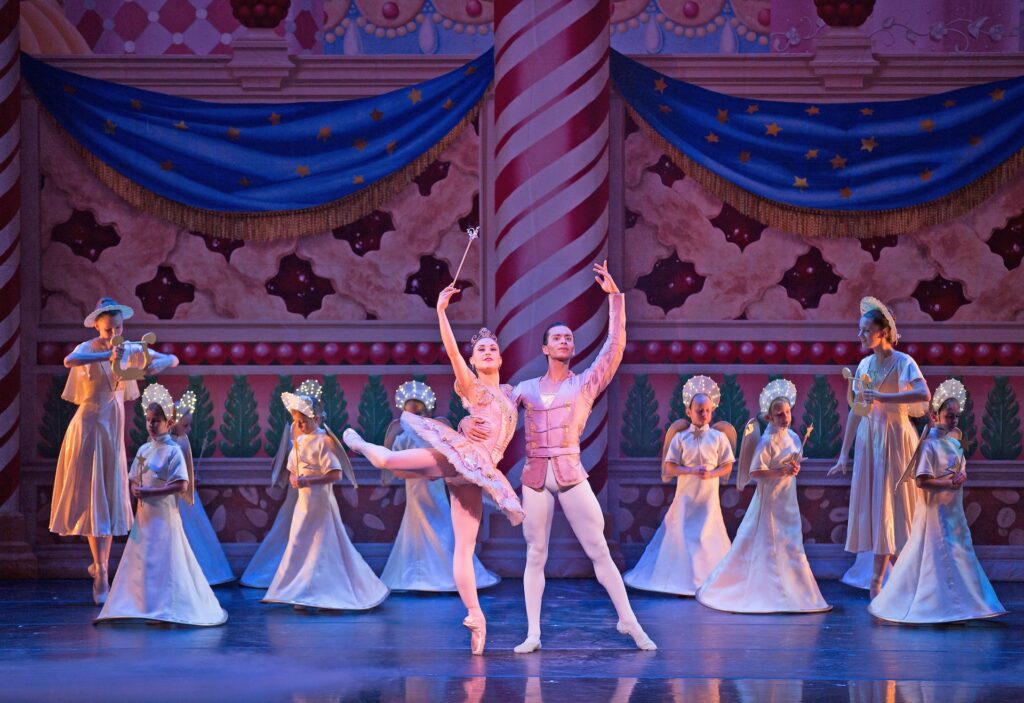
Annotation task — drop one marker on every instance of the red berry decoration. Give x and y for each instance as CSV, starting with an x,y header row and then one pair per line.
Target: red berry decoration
x,y
333,353
168,348
216,354
725,352
192,354
844,13
310,353
654,352
356,353
262,353
425,353
691,9
678,352
286,354
936,353
843,353
401,353
239,354
748,353
818,353
701,352
1007,354
389,10
794,352
764,18
265,14
913,349
379,353
474,8
48,353
984,354
959,354
631,354
772,353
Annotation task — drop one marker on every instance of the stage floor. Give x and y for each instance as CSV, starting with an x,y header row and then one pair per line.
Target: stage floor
x,y
413,648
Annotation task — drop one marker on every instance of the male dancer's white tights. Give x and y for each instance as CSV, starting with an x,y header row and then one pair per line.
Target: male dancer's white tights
x,y
587,521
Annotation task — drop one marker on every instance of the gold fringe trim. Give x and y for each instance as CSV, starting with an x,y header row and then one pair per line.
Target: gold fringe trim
x,y
268,226
815,222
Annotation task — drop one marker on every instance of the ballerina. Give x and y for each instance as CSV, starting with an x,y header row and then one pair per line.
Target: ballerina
x,y
889,389
468,466
421,558
766,570
158,577
691,540
320,567
937,577
90,488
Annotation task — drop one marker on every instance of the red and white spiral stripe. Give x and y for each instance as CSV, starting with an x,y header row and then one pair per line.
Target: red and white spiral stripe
x,y
551,189
10,236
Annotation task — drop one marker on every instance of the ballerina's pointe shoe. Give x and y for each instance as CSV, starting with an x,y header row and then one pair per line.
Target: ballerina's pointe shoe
x,y
351,439
100,587
477,635
639,636
530,644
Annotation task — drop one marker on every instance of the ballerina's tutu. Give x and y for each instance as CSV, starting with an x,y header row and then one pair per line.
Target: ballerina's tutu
x,y
475,462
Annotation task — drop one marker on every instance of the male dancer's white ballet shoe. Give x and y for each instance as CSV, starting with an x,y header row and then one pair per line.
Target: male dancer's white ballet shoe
x,y
639,636
100,587
530,644
477,636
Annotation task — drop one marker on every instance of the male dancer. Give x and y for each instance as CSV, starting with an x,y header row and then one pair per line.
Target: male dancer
x,y
557,407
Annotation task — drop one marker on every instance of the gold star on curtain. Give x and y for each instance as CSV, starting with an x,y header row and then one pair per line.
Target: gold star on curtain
x,y
949,103
324,134
928,124
660,85
181,126
744,156
974,140
357,180
234,133
110,127
926,175
359,144
448,104
665,109
799,182
415,95
837,161
711,138
997,94
166,165
275,119
244,182
722,116
136,104
868,144
813,110
376,115
752,108
772,129
845,193
70,89
303,171
391,146
470,71
867,111
811,154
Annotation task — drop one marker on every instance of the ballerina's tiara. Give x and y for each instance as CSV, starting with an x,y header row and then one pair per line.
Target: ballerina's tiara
x,y
870,303
701,385
779,388
415,390
950,388
484,333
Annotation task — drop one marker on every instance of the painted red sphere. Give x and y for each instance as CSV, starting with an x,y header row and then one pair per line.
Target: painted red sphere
x,y
960,354
678,352
701,352
913,349
216,353
262,353
764,18
168,348
286,354
379,353
631,355
191,354
48,353
691,9
333,353
794,352
401,353
843,353
818,353
356,353
725,352
389,10
1007,354
425,353
772,352
239,353
654,352
474,8
310,353
935,353
748,353
984,354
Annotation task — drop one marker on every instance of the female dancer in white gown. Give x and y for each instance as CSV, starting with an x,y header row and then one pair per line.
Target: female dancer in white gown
x,y
468,466
421,559
766,571
691,540
937,577
320,567
889,389
90,489
158,577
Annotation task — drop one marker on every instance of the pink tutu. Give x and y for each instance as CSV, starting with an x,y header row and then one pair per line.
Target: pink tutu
x,y
472,460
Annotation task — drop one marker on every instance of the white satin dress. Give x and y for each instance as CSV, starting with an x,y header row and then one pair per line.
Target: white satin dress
x,y
421,559
158,577
937,577
320,567
692,539
263,565
766,571
200,533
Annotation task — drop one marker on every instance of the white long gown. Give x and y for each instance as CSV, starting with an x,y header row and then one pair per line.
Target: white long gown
x,y
263,565
692,539
860,572
200,533
320,567
421,559
937,577
766,571
158,577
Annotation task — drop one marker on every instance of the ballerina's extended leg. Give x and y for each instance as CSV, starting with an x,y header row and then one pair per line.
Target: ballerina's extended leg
x,y
407,463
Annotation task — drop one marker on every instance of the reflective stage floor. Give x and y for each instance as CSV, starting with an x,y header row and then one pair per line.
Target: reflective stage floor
x,y
413,648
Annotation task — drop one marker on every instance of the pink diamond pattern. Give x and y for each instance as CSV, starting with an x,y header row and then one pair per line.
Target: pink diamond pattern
x,y
177,15
130,21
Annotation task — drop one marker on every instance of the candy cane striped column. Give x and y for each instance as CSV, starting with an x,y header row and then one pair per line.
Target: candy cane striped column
x,y
16,558
551,113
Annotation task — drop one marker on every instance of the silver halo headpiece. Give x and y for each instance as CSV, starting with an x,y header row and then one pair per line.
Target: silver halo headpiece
x,y
701,385
415,390
157,393
950,388
779,388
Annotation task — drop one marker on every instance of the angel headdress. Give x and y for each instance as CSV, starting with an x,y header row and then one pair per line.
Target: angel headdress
x,y
950,389
779,389
410,390
698,385
174,411
306,400
701,385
